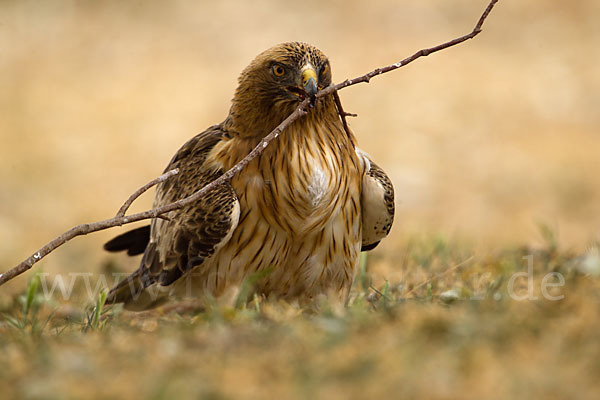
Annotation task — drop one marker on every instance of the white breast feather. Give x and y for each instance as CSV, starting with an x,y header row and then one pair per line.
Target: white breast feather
x,y
317,187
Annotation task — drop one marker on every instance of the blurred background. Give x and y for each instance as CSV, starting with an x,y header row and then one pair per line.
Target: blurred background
x,y
483,141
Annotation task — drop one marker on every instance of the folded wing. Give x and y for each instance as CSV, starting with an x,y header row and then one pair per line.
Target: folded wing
x,y
377,202
187,237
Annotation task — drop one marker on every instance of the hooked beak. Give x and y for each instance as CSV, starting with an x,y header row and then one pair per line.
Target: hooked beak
x,y
309,85
309,82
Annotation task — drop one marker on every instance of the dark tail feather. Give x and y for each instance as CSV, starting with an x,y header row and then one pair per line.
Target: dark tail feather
x,y
134,241
368,247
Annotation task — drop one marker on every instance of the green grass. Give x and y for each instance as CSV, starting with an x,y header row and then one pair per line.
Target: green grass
x,y
26,319
96,317
441,326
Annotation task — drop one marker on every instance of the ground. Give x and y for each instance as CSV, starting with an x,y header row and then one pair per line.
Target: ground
x,y
492,147
451,327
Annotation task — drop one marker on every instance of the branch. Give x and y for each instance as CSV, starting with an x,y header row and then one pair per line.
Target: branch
x,y
84,229
343,114
421,53
301,110
140,191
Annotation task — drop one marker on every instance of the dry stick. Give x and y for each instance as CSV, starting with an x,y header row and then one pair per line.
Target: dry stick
x,y
140,191
301,110
343,114
446,272
421,53
84,229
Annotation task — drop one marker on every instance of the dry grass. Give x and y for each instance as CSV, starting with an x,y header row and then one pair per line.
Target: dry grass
x,y
406,338
483,142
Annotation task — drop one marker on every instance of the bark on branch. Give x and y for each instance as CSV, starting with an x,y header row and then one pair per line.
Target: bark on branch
x,y
301,110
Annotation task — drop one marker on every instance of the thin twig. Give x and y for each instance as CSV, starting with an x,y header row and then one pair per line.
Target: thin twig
x,y
140,191
446,272
421,53
343,114
160,211
379,292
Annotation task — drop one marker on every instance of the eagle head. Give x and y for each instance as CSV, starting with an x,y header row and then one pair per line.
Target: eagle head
x,y
273,85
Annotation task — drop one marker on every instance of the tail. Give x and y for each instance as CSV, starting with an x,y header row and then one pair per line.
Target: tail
x,y
134,241
138,292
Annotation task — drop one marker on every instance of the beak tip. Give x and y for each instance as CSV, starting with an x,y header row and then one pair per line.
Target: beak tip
x,y
309,81
311,87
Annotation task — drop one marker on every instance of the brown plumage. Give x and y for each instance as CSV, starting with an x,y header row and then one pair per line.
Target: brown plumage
x,y
298,215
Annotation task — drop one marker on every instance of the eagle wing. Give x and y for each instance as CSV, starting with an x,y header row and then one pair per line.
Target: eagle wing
x,y
377,203
187,237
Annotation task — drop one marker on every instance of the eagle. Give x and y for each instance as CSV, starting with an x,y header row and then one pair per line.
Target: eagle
x,y
295,218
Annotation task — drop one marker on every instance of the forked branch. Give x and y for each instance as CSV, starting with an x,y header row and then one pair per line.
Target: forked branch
x,y
140,191
159,212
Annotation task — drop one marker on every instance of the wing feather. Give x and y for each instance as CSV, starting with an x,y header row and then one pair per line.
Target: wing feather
x,y
377,203
190,235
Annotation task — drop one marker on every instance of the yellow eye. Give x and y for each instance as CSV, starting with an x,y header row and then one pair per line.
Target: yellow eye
x,y
324,69
278,70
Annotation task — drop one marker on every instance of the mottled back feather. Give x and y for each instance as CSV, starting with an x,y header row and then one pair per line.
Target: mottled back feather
x,y
189,235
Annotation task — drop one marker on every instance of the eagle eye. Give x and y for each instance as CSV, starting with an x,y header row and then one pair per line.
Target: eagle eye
x,y
278,70
324,69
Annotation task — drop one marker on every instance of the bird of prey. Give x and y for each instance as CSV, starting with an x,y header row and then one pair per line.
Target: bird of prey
x,y
298,215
